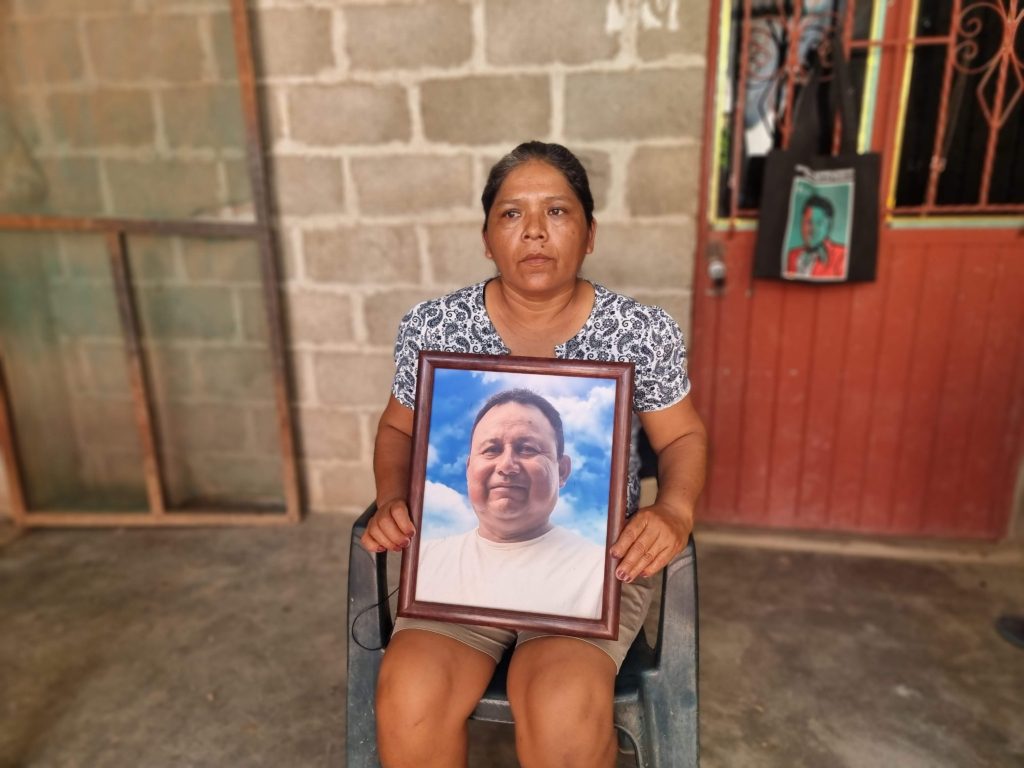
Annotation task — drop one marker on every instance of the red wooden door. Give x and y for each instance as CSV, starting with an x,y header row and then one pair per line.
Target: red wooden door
x,y
895,406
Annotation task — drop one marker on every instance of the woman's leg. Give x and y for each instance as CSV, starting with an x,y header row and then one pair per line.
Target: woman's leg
x,y
561,690
428,686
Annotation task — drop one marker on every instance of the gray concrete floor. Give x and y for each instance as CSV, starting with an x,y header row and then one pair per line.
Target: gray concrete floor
x,y
176,648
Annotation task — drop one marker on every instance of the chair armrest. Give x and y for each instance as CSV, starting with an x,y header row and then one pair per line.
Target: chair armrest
x,y
369,629
369,615
677,629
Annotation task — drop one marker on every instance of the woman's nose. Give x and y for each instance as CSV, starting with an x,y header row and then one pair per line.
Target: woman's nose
x,y
536,226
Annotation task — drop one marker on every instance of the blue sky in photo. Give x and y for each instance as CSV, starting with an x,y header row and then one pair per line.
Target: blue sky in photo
x,y
587,408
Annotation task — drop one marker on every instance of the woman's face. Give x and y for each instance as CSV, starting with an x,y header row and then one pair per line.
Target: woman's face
x,y
537,233
513,473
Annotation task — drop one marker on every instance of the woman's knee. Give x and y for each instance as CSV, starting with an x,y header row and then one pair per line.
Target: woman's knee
x,y
428,680
562,700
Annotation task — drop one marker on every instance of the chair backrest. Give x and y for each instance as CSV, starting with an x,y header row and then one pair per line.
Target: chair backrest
x,y
655,691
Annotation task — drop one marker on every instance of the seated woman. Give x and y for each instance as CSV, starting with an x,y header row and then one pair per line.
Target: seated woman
x,y
538,228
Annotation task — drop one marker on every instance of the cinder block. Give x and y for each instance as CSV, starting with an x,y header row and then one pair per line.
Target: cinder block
x,y
173,372
690,35
236,374
350,113
224,54
318,317
294,41
457,254
325,434
363,254
254,314
347,487
633,105
237,479
264,433
384,311
106,368
433,34
84,308
203,116
239,186
629,256
45,51
408,184
664,180
102,118
236,262
141,47
84,256
153,259
72,187
186,312
71,7
599,173
541,32
344,378
163,188
195,428
486,110
305,185
105,423
119,478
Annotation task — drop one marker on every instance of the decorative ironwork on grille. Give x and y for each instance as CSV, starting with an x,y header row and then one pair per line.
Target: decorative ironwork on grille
x,y
961,103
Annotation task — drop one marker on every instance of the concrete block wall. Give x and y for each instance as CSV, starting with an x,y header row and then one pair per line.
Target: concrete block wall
x,y
129,107
383,119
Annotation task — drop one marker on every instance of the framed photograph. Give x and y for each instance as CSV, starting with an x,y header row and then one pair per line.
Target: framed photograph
x,y
517,490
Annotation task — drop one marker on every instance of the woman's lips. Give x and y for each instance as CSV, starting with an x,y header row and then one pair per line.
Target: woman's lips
x,y
536,258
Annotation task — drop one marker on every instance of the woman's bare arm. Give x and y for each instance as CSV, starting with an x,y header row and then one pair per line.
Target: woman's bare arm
x,y
391,527
656,534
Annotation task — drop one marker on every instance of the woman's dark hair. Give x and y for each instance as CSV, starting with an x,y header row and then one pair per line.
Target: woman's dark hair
x,y
555,155
525,397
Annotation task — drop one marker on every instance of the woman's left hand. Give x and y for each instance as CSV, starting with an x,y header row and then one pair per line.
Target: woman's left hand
x,y
651,538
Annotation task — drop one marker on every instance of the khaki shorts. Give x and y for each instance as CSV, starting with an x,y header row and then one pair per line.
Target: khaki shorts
x,y
636,599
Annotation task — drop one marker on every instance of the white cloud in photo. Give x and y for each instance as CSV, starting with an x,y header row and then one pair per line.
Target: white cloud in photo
x,y
446,512
589,420
589,523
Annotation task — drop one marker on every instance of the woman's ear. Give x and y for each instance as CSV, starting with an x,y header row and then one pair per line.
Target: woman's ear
x,y
487,248
592,236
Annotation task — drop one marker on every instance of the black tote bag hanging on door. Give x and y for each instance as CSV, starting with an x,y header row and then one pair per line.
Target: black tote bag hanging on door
x,y
818,220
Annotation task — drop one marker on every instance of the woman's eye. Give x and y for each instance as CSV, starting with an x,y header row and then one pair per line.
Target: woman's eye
x,y
529,450
556,211
510,214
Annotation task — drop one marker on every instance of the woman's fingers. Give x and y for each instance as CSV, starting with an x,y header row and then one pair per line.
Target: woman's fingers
x,y
390,528
646,545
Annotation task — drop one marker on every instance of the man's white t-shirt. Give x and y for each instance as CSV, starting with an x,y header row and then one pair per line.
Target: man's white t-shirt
x,y
559,572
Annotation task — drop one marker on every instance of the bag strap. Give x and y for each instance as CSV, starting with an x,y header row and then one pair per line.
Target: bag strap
x,y
803,141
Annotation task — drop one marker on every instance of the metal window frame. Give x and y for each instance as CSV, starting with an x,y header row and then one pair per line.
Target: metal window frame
x,y
895,34
115,231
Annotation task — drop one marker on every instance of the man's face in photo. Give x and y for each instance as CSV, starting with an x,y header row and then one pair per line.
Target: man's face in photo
x,y
815,226
514,472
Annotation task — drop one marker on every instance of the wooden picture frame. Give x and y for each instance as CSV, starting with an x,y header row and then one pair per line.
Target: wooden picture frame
x,y
513,525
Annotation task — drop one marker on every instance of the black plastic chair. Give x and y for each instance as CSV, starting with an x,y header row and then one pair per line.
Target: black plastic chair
x,y
655,691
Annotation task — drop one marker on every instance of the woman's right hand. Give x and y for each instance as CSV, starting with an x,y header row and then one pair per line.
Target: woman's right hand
x,y
390,528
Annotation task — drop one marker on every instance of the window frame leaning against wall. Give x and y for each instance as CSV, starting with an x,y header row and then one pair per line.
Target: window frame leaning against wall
x,y
116,234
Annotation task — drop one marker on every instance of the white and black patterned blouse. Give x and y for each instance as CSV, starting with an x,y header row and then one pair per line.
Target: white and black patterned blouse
x,y
619,329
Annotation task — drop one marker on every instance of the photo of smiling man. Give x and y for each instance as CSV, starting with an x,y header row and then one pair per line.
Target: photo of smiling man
x,y
515,557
